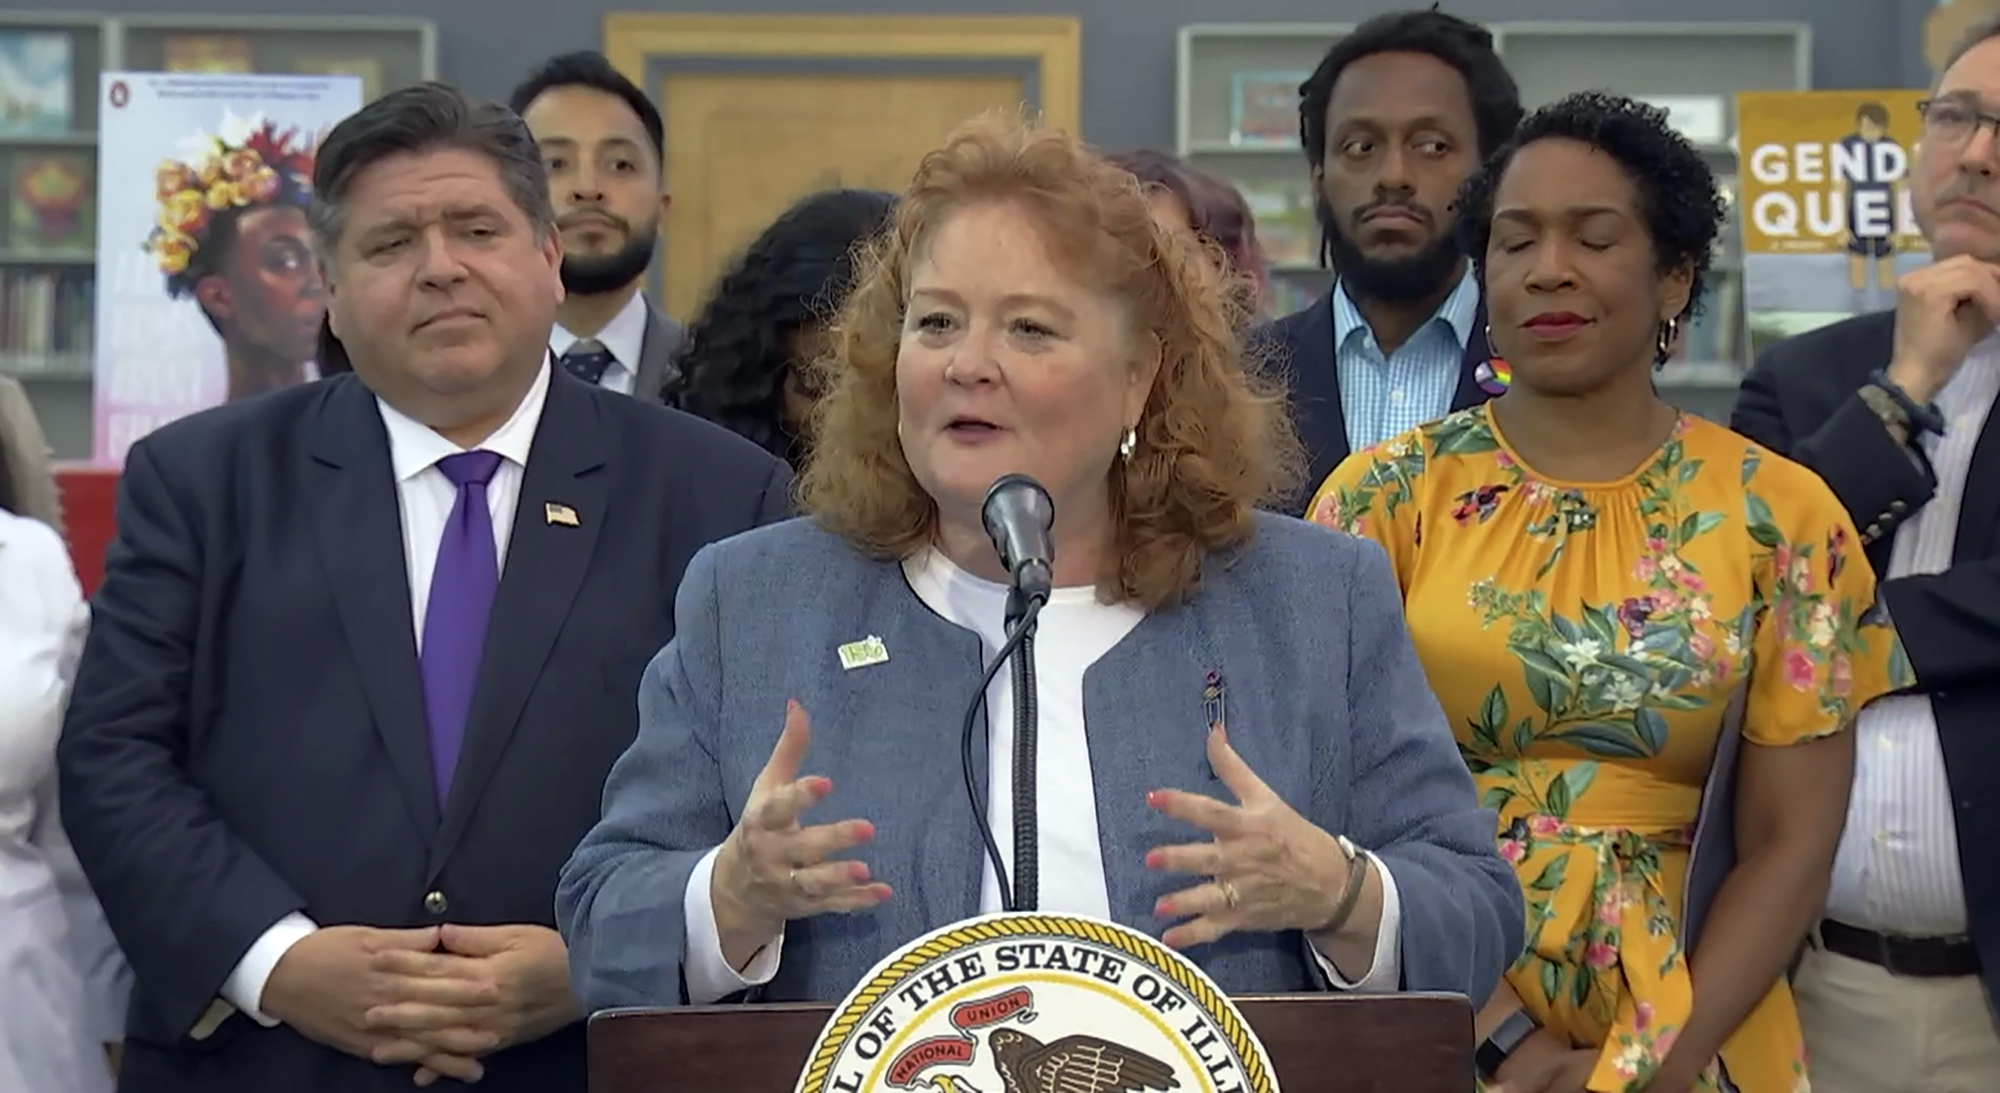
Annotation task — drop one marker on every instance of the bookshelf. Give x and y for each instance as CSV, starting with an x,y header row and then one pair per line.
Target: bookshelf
x,y
48,157
1221,66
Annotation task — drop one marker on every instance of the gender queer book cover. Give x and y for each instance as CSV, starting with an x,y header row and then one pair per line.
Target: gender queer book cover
x,y
207,289
1824,200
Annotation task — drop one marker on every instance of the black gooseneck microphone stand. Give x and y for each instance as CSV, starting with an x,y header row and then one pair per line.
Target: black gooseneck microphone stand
x,y
1027,857
1019,515
1022,613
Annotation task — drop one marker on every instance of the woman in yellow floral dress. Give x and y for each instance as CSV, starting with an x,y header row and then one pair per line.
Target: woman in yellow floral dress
x,y
1594,582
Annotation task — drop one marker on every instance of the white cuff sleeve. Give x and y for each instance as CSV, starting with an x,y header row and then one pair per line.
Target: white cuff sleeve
x,y
707,972
1385,975
244,988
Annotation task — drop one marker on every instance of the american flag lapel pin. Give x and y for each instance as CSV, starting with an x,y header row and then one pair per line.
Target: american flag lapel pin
x,y
559,515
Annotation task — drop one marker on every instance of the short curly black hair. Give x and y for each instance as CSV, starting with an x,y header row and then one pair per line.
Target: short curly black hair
x,y
1678,199
735,355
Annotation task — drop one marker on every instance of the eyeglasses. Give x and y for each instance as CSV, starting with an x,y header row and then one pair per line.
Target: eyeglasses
x,y
1950,123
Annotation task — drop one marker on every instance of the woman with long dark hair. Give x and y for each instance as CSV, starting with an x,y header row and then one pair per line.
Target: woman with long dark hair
x,y
746,363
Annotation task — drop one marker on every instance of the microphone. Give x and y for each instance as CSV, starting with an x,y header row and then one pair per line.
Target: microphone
x,y
1019,515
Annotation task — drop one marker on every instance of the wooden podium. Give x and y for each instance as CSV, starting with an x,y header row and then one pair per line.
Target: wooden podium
x,y
1323,1043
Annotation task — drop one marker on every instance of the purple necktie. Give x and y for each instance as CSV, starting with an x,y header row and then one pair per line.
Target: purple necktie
x,y
462,587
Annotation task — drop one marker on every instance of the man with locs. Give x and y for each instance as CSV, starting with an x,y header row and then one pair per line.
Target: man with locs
x,y
365,649
1395,119
1897,990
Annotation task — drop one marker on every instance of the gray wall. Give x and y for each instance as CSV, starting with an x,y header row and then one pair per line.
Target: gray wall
x,y
1128,71
1128,54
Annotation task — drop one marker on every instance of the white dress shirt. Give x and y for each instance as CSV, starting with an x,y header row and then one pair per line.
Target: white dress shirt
x,y
1897,869
425,497
63,982
624,337
1076,632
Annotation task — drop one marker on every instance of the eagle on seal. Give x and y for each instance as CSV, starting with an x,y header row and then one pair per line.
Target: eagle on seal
x,y
1074,1064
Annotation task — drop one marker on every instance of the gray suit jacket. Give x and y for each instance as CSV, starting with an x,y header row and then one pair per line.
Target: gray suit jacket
x,y
1327,702
656,354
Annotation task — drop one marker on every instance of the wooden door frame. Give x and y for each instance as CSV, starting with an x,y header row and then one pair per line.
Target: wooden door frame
x,y
1048,49
1044,51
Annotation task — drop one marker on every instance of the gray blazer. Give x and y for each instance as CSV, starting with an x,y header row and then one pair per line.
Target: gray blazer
x,y
656,354
1326,701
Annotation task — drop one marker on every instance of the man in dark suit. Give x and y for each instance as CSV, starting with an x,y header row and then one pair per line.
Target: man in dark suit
x,y
605,147
1894,411
1398,115
366,648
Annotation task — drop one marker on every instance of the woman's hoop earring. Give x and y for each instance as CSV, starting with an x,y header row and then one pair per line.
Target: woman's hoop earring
x,y
1491,353
1127,443
1664,343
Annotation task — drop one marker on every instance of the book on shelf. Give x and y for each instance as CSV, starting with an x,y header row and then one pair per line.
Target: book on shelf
x,y
49,200
36,83
206,53
1264,108
45,316
1286,228
1713,339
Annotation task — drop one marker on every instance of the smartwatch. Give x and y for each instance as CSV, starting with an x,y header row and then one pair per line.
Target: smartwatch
x,y
1516,1027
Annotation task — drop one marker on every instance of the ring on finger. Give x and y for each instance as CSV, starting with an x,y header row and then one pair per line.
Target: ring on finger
x,y
1229,894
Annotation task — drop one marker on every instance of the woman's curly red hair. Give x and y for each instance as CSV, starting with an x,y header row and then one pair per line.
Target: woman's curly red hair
x,y
1215,440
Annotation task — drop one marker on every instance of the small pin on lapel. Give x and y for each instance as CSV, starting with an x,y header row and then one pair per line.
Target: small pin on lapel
x,y
560,514
861,654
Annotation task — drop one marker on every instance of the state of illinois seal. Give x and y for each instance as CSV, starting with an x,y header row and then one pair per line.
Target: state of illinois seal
x,y
1034,1003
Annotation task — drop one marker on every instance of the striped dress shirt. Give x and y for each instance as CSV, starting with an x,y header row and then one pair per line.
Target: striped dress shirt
x,y
1897,870
1382,397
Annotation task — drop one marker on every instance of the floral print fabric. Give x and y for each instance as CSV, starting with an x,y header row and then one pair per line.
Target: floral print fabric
x,y
1586,641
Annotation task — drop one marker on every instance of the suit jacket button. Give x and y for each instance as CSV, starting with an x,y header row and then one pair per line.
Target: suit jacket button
x,y
1874,531
436,904
1897,507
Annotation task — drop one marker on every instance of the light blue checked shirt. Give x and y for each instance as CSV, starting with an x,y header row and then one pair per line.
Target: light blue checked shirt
x,y
1384,398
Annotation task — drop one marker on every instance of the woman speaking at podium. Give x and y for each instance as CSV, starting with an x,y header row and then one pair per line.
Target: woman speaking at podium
x,y
1235,741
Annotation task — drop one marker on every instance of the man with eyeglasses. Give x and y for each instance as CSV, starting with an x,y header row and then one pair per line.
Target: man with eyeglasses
x,y
1897,988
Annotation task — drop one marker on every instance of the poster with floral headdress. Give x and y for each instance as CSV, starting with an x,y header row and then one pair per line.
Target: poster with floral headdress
x,y
207,288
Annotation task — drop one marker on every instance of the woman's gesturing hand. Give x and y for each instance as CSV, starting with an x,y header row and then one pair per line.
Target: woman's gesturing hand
x,y
772,869
1267,868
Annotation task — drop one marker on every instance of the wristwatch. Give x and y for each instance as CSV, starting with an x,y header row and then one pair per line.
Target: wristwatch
x,y
1350,893
1514,1028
